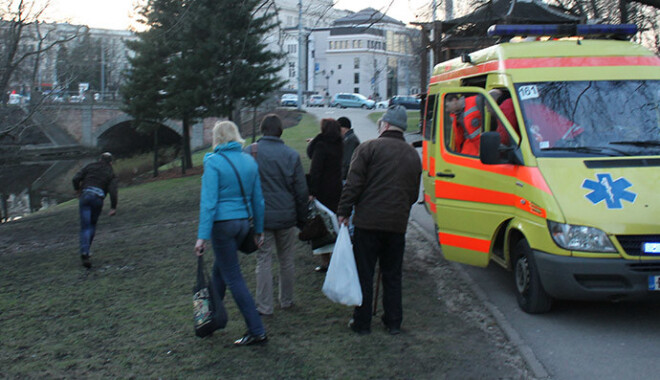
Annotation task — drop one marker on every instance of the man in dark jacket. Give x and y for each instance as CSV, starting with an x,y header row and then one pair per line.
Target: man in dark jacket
x,y
285,193
382,185
92,184
351,142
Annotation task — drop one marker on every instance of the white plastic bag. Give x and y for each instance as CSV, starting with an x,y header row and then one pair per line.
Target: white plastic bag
x,y
326,214
342,284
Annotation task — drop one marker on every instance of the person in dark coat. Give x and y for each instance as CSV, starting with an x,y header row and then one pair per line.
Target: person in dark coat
x,y
92,184
325,151
351,141
382,185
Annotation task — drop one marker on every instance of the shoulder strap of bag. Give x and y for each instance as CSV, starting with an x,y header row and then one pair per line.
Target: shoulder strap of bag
x,y
240,183
201,275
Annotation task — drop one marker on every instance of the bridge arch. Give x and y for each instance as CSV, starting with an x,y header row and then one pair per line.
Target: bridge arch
x,y
124,118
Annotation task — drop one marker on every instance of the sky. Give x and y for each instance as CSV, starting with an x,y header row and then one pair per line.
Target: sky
x,y
115,14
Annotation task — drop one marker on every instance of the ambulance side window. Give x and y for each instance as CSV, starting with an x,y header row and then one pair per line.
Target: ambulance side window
x,y
429,118
463,122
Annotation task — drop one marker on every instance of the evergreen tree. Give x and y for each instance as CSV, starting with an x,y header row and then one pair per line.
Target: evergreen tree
x,y
214,57
142,92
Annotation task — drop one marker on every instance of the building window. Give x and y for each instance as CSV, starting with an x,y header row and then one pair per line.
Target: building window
x,y
338,81
330,45
356,78
292,70
356,90
292,48
339,67
356,62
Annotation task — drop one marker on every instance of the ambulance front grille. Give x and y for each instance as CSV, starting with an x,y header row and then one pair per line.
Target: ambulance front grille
x,y
633,244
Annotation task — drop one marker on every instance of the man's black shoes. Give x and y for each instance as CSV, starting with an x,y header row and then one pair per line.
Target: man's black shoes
x,y
249,339
85,261
356,329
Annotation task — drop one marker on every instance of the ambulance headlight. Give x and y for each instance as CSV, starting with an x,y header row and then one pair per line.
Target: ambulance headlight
x,y
580,238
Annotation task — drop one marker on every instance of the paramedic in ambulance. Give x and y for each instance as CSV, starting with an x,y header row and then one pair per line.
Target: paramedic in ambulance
x,y
504,101
466,117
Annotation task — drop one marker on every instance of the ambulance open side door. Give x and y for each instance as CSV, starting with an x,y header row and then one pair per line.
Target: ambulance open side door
x,y
471,198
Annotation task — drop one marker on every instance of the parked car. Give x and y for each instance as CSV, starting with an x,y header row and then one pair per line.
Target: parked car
x,y
352,100
383,104
410,102
290,100
316,101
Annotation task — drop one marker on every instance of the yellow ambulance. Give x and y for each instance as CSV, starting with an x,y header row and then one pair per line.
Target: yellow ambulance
x,y
543,156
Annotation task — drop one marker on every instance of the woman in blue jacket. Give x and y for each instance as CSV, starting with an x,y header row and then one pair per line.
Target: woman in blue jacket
x,y
223,218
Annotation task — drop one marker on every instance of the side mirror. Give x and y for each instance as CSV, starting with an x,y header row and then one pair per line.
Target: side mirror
x,y
490,152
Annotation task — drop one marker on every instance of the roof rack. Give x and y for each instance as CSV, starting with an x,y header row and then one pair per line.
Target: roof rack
x,y
620,31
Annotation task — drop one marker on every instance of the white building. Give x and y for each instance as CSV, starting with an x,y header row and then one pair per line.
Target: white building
x,y
284,38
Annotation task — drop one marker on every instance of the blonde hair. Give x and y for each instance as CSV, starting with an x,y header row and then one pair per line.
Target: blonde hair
x,y
224,132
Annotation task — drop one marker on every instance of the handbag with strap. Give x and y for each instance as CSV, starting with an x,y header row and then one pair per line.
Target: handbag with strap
x,y
248,245
208,309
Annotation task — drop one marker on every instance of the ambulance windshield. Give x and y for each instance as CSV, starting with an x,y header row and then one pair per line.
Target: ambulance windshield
x,y
610,118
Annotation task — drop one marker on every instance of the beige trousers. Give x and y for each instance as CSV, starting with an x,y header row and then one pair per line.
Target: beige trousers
x,y
280,242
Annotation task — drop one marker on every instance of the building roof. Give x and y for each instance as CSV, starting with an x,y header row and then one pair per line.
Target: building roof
x,y
366,16
515,12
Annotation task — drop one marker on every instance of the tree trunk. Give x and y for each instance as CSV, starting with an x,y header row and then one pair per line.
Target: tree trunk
x,y
623,11
186,157
156,151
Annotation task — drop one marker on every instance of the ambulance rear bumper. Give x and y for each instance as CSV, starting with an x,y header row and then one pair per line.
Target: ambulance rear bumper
x,y
580,278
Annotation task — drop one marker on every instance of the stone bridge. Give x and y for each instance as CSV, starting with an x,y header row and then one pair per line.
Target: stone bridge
x,y
85,123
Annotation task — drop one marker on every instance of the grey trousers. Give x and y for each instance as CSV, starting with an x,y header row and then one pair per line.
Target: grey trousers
x,y
280,242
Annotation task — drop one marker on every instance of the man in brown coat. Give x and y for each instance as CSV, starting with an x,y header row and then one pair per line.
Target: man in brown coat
x,y
382,185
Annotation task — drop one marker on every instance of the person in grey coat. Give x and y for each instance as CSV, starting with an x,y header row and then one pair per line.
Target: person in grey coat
x,y
285,193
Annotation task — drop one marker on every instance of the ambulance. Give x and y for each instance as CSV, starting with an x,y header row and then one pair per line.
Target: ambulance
x,y
542,154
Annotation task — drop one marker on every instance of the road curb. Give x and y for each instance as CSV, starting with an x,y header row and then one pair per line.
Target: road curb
x,y
525,351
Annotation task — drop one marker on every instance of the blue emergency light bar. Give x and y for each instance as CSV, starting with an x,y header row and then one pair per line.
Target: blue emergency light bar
x,y
562,30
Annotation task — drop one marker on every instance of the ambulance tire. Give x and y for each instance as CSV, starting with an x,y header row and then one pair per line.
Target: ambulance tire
x,y
530,294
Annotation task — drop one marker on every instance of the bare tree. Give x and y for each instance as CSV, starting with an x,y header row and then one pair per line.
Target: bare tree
x,y
24,38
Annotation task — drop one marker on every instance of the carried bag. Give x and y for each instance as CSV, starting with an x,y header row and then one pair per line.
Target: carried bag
x,y
248,245
342,283
320,227
208,309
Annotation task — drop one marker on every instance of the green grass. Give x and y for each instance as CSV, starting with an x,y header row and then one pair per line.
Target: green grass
x,y
130,316
413,119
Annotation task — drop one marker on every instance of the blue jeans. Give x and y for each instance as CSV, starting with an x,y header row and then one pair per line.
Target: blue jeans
x,y
226,236
90,206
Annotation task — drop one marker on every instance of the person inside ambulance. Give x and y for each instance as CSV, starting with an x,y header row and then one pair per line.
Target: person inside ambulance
x,y
466,113
504,101
546,127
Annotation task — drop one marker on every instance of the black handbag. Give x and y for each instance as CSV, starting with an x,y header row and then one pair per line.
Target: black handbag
x,y
248,245
208,309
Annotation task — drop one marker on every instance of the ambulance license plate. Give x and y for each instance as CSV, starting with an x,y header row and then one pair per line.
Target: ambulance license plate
x,y
652,248
654,283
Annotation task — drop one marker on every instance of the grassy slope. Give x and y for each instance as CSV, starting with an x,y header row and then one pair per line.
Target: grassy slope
x,y
131,314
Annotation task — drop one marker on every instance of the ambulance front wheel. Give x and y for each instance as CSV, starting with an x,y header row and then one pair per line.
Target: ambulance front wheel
x,y
531,296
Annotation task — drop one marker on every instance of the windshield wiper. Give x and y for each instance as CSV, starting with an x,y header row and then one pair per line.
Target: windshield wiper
x,y
586,149
638,143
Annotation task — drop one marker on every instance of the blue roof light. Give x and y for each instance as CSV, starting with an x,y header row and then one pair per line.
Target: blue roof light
x,y
561,30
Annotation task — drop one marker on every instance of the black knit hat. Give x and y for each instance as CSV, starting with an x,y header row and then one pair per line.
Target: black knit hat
x,y
344,122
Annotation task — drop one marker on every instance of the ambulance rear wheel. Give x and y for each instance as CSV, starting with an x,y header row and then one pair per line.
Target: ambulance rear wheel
x,y
530,294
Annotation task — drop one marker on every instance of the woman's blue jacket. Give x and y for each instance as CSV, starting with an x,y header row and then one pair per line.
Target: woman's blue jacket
x,y
221,197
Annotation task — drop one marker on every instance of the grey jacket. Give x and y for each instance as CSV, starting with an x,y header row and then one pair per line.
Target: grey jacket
x,y
351,142
282,182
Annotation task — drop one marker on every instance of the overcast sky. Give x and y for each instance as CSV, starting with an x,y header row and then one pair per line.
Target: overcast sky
x,y
116,14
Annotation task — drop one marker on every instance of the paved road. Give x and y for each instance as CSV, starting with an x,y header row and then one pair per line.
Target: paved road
x,y
576,340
